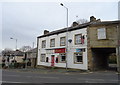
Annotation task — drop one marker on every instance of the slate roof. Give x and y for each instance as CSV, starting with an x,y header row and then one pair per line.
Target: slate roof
x,y
65,29
14,53
32,50
80,26
104,23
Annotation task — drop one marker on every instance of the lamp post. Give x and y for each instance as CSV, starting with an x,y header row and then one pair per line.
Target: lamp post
x,y
16,42
66,34
66,14
15,48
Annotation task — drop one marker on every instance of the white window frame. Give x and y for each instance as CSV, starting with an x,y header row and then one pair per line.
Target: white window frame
x,y
101,32
52,42
61,54
78,39
44,44
62,41
43,57
75,58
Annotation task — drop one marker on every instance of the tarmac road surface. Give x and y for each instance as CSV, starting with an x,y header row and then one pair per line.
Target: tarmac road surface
x,y
9,76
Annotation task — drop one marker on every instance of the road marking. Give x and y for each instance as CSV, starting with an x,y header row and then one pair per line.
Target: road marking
x,y
13,75
34,76
49,77
11,82
90,79
102,80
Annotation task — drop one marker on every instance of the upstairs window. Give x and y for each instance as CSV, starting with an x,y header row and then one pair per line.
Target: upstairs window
x,y
62,41
101,33
44,44
52,43
78,39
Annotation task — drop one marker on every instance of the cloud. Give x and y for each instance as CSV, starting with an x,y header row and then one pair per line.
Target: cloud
x,y
27,20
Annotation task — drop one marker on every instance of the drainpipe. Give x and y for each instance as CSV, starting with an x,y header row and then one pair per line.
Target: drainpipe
x,y
118,49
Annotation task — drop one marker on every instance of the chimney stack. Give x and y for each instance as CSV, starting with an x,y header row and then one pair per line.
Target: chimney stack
x,y
74,24
46,32
92,19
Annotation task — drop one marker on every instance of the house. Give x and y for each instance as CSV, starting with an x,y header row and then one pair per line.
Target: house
x,y
72,47
13,55
31,56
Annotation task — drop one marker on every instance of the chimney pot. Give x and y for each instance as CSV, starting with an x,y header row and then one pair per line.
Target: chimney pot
x,y
92,19
46,32
75,24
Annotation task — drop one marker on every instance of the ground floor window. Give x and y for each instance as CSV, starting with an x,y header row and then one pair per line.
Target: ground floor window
x,y
47,59
62,57
78,57
42,58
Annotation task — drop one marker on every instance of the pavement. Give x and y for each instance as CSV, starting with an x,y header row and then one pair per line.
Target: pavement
x,y
48,70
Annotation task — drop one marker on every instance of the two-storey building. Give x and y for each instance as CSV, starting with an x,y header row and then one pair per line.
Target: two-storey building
x,y
72,47
54,50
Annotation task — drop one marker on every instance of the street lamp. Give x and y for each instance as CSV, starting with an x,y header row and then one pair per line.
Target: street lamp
x,y
66,14
15,48
15,40
66,34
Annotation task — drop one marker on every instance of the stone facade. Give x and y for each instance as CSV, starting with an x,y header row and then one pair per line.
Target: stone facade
x,y
99,49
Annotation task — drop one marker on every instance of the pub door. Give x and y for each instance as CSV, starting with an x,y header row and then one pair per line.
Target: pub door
x,y
52,60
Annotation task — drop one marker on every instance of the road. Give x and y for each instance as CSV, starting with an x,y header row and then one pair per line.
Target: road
x,y
38,78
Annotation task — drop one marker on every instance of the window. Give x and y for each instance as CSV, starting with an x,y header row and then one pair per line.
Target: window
x,y
56,60
62,57
52,43
78,58
43,43
78,39
47,59
62,41
42,58
101,33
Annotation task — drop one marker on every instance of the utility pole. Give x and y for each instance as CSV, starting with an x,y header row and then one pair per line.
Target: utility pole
x,y
33,45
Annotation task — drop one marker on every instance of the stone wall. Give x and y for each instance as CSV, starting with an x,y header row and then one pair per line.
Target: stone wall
x,y
94,42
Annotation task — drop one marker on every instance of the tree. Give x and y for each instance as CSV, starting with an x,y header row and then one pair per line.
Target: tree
x,y
25,48
6,50
82,21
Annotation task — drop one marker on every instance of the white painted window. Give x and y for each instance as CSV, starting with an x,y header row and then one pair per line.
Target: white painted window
x,y
44,44
62,41
78,57
78,39
101,33
42,58
52,43
62,57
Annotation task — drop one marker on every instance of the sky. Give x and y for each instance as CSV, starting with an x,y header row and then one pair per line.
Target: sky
x,y
25,21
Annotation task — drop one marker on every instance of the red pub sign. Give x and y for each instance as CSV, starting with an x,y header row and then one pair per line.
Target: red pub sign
x,y
60,50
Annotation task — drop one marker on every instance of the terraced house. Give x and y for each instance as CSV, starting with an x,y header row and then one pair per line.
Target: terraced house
x,y
79,46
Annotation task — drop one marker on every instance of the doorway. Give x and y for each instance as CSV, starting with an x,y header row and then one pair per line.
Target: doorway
x,y
52,60
101,58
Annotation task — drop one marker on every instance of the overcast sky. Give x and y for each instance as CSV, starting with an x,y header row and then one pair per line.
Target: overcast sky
x,y
26,21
